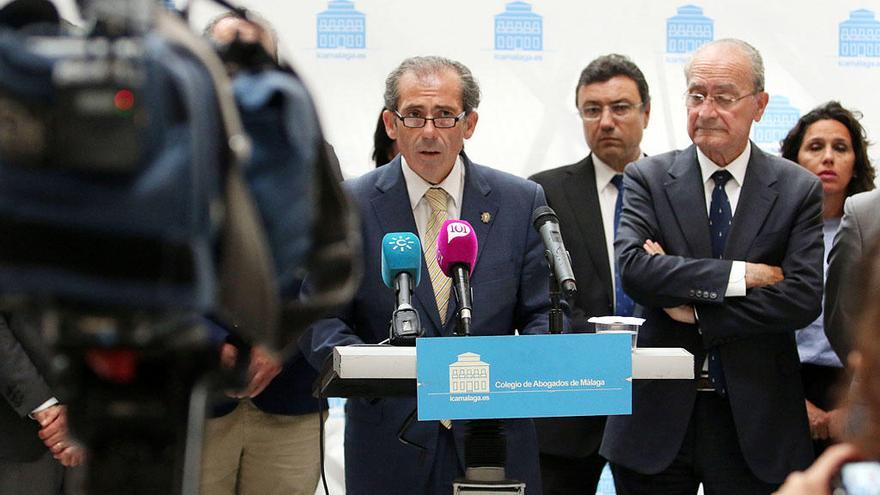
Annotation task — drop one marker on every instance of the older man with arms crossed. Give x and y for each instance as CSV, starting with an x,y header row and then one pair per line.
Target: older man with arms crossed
x,y
430,110
722,245
614,105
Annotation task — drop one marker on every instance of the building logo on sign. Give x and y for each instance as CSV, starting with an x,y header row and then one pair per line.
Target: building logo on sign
x,y
469,375
518,29
779,117
341,27
859,38
688,30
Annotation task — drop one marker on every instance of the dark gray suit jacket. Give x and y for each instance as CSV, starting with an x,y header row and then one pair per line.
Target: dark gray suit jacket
x,y
571,192
23,366
858,231
778,222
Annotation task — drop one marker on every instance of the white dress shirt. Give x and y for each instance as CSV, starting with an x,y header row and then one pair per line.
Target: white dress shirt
x,y
416,187
736,283
607,201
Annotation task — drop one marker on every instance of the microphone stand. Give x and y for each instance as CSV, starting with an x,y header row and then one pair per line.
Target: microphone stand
x,y
485,449
555,315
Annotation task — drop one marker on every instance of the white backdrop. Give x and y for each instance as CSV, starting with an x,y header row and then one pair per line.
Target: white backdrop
x,y
528,120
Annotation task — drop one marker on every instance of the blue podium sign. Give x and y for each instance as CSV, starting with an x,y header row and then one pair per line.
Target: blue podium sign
x,y
524,376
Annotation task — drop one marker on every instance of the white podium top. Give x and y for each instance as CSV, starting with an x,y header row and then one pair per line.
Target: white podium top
x,y
387,362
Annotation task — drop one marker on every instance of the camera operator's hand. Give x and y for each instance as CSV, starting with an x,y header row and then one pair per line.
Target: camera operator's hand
x,y
265,366
817,479
53,426
73,455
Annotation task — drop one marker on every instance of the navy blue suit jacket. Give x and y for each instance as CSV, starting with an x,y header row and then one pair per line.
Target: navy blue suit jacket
x,y
510,290
778,221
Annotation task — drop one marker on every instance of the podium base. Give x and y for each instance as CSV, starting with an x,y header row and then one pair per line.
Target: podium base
x,y
464,487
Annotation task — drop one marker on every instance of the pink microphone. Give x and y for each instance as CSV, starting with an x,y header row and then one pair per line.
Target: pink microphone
x,y
456,255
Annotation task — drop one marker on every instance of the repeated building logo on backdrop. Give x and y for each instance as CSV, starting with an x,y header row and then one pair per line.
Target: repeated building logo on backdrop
x,y
686,31
859,40
779,117
341,31
518,29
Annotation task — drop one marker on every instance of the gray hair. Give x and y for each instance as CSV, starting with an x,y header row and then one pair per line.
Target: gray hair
x,y
423,66
748,50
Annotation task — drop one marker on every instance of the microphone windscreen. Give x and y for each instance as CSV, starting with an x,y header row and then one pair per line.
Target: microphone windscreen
x,y
456,244
401,252
543,214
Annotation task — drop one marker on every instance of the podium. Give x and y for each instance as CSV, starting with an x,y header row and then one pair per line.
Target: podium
x,y
390,371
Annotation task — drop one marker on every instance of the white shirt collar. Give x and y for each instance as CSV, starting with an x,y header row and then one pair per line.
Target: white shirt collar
x,y
604,173
416,186
737,167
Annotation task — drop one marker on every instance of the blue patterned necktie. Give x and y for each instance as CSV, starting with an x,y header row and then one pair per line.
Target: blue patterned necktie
x,y
720,218
623,305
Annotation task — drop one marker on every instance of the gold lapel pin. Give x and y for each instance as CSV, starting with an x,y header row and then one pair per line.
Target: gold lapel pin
x,y
485,217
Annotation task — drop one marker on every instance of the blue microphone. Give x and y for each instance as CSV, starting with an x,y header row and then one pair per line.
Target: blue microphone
x,y
402,271
401,253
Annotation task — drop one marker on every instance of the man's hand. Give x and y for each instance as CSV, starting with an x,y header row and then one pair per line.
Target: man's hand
x,y
819,421
761,275
684,313
653,248
817,479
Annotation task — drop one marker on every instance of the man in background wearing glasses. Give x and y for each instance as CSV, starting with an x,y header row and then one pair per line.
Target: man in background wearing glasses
x,y
614,106
721,244
430,109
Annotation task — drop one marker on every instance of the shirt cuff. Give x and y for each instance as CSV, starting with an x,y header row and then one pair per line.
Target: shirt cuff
x,y
736,283
42,407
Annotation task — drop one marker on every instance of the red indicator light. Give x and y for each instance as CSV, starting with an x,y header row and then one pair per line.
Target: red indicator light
x,y
124,100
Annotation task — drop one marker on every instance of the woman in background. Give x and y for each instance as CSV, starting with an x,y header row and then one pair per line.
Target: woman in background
x,y
829,142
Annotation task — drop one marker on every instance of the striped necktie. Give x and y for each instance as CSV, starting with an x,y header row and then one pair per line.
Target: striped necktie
x,y
436,198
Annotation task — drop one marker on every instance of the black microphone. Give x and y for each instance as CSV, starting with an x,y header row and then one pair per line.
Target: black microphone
x,y
547,224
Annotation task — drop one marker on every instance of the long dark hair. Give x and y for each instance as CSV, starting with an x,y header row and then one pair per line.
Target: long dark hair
x,y
382,144
863,172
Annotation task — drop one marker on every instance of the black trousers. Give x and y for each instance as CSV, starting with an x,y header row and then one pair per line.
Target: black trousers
x,y
571,475
710,454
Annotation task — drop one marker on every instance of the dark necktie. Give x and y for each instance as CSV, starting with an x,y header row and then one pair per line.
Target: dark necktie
x,y
623,305
720,218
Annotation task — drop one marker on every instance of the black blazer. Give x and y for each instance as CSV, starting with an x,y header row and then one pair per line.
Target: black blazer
x,y
778,221
24,363
571,192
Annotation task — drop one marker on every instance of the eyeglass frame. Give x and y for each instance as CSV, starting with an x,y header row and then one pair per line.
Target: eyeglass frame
x,y
455,120
727,105
630,108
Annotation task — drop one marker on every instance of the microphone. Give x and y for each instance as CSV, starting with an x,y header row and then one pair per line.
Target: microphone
x,y
402,271
456,255
547,224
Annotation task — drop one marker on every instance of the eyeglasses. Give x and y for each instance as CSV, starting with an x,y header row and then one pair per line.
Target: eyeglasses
x,y
618,110
724,102
439,122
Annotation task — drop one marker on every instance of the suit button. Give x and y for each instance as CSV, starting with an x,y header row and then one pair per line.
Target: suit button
x,y
692,292
713,295
699,293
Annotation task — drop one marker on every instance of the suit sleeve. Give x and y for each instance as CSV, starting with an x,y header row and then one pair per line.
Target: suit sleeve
x,y
21,383
841,304
793,303
533,303
658,281
664,281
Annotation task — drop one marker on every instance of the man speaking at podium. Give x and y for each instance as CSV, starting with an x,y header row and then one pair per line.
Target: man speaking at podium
x,y
721,244
430,109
